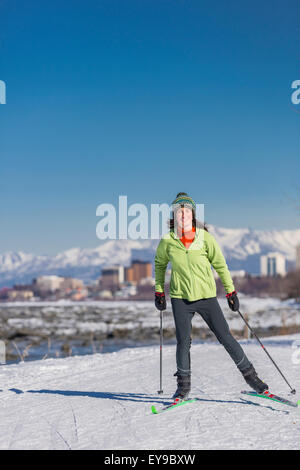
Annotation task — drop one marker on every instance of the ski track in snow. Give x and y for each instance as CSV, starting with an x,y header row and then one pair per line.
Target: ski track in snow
x,y
104,402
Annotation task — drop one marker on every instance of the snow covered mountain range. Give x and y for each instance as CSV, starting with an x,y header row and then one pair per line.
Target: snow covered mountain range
x,y
242,249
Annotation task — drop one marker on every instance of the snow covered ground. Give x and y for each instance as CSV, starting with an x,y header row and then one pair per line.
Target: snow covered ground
x,y
103,401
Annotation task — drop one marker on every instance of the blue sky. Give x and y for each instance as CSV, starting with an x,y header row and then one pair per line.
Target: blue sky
x,y
145,99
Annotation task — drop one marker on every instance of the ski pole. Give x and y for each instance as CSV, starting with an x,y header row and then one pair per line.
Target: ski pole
x,y
160,361
293,391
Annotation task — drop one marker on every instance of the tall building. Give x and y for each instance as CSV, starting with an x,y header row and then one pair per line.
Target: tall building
x,y
71,283
138,271
298,257
50,282
272,264
112,276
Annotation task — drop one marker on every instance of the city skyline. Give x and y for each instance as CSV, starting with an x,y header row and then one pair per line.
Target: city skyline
x,y
241,249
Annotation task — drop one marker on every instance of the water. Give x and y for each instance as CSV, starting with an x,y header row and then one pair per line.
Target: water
x,y
23,350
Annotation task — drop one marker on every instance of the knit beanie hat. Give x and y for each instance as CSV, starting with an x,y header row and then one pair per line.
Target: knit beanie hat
x,y
183,199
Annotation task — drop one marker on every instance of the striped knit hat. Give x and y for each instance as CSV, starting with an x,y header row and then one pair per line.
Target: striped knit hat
x,y
183,198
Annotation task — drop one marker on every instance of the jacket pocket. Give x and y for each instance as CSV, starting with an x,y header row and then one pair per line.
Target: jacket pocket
x,y
174,282
210,279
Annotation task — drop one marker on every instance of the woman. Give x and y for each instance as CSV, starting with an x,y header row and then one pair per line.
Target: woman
x,y
191,250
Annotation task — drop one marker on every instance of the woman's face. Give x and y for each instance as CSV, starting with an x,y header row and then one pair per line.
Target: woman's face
x,y
184,218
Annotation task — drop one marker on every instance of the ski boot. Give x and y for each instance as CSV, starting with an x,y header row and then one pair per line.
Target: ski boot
x,y
183,386
254,381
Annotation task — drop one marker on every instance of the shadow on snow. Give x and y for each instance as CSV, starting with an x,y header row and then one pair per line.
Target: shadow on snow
x,y
140,397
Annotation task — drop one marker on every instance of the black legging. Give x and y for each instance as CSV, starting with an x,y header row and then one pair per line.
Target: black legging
x,y
210,311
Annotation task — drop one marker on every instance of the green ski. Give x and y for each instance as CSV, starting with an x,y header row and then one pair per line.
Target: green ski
x,y
172,405
271,396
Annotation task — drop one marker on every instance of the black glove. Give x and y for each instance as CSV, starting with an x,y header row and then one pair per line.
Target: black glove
x,y
233,301
160,301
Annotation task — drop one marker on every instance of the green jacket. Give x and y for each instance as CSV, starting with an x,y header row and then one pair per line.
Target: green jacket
x,y
191,276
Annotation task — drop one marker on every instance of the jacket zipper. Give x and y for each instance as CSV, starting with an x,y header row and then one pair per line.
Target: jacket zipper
x,y
188,261
191,277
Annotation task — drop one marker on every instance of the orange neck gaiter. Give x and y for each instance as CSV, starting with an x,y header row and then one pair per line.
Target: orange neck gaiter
x,y
188,237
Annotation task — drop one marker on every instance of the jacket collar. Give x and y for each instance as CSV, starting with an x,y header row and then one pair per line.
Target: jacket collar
x,y
197,233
